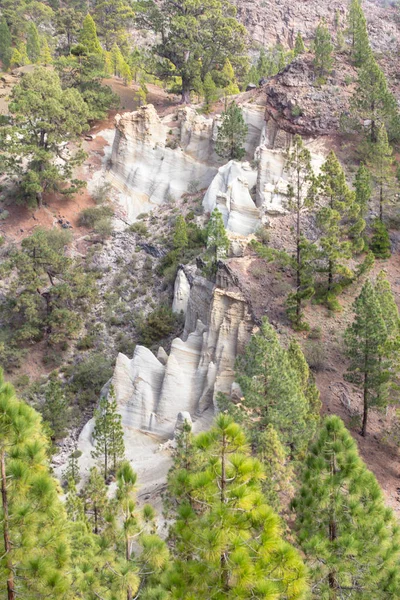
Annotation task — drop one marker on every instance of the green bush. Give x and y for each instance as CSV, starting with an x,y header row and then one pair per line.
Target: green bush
x,y
89,217
158,325
89,376
139,228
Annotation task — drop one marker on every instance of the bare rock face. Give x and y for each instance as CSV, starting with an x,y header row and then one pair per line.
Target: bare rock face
x,y
273,21
181,292
145,170
152,392
296,105
230,193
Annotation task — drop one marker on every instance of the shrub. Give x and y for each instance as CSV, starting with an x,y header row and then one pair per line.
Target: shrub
x,y
89,376
139,228
103,227
158,325
89,217
101,193
315,355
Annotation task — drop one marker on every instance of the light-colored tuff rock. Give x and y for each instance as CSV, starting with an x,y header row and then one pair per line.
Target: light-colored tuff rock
x,y
181,292
154,160
272,180
145,170
230,193
152,392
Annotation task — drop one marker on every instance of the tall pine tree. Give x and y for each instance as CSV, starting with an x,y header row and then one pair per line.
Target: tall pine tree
x,y
273,393
381,163
88,36
300,173
34,554
337,217
363,188
33,43
350,539
108,435
227,541
323,48
5,43
369,368
357,28
232,134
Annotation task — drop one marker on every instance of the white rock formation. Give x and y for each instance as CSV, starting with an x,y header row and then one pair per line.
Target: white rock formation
x,y
152,392
272,179
230,193
145,170
181,292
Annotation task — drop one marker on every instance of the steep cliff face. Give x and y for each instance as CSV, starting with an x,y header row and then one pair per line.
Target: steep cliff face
x,y
278,21
151,391
145,170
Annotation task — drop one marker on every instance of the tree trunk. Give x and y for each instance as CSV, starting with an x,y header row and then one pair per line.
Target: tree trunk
x,y
381,202
96,528
11,595
332,580
185,94
365,398
330,275
224,558
298,252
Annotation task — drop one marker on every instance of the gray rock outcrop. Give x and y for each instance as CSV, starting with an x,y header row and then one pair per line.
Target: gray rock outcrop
x,y
152,391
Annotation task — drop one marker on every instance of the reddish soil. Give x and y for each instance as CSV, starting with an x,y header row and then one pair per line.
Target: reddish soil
x,y
266,286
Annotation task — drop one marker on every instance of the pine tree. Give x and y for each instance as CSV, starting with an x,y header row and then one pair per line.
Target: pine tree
x,y
137,526
16,58
125,72
88,36
228,75
116,59
369,368
357,28
5,43
34,556
363,189
380,241
337,218
210,92
272,393
323,49
95,500
307,384
108,435
227,543
74,503
72,472
56,409
23,53
232,134
299,47
298,166
217,240
180,239
350,539
278,470
381,163
45,54
33,43
372,101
